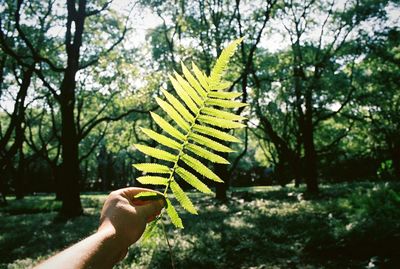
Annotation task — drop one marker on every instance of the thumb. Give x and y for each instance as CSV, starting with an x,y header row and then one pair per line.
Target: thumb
x,y
150,209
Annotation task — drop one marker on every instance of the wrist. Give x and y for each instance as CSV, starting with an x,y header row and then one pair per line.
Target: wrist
x,y
115,245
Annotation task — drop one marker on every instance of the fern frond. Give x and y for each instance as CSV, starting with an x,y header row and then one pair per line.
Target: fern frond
x,y
195,113
221,114
157,153
162,139
178,106
153,180
227,124
192,180
182,198
224,95
225,103
222,86
201,77
205,141
173,215
193,82
173,114
215,133
168,128
200,168
212,157
192,93
152,168
223,60
184,95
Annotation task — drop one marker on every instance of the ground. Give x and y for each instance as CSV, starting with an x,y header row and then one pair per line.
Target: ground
x,y
348,226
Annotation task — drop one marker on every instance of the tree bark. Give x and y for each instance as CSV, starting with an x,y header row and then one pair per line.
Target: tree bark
x,y
70,176
310,155
222,188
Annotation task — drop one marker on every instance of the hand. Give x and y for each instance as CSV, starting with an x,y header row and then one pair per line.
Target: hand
x,y
125,218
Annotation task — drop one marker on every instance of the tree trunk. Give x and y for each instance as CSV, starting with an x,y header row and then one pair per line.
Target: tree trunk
x,y
396,161
310,158
222,188
71,203
20,176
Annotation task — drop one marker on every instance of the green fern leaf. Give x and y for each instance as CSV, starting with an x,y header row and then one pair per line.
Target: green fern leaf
x,y
201,77
186,86
168,128
221,114
184,95
215,133
162,139
227,124
148,195
200,168
205,141
225,103
156,153
153,180
193,82
223,61
173,215
152,168
173,114
182,198
192,180
222,86
178,106
224,95
206,154
192,112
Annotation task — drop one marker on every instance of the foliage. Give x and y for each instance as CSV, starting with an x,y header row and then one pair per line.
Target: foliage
x,y
269,227
197,119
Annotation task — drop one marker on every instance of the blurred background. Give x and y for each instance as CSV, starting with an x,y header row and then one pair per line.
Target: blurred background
x,y
315,181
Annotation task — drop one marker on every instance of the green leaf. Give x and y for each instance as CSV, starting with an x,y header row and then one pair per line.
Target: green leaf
x,y
192,93
220,122
152,168
224,95
156,153
161,139
224,103
168,128
184,95
223,61
153,180
150,230
221,114
200,168
192,180
201,77
178,106
182,198
193,82
173,114
206,154
149,196
215,133
222,86
205,141
173,215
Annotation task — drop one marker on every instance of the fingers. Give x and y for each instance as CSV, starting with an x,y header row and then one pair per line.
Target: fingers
x,y
150,210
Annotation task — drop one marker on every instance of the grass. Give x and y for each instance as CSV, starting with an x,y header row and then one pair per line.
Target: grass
x,y
349,226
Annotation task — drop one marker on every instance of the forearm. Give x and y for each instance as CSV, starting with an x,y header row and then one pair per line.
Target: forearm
x,y
100,250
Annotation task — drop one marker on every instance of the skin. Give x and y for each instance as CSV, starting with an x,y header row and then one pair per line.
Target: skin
x,y
122,222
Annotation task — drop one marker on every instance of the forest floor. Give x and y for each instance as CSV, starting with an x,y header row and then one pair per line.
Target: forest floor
x,y
353,225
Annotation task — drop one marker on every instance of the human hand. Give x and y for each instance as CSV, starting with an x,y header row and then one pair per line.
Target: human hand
x,y
125,218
